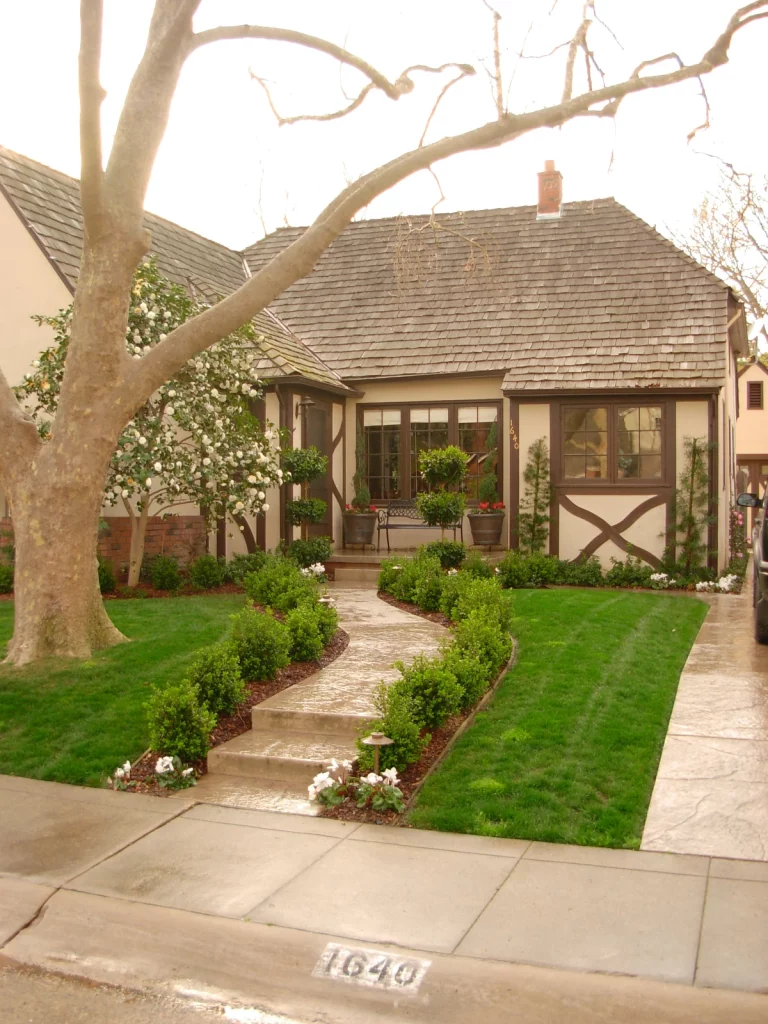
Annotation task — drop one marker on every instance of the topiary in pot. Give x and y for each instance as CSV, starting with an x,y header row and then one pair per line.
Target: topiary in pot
x,y
359,516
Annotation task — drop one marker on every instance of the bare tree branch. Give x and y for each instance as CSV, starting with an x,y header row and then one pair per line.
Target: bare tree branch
x,y
497,80
227,32
579,42
356,102
91,97
443,91
298,259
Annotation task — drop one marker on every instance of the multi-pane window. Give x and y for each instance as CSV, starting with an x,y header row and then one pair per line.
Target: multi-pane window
x,y
430,428
394,437
612,442
476,426
585,443
639,442
381,442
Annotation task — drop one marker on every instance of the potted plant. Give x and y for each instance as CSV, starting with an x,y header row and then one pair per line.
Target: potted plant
x,y
487,519
441,469
359,516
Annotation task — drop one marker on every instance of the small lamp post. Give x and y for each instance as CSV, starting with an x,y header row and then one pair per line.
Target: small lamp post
x,y
376,740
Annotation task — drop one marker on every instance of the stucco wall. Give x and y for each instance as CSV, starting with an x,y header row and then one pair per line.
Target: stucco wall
x,y
752,424
576,533
28,285
447,389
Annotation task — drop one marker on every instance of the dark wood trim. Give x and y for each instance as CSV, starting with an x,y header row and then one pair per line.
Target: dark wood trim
x,y
405,434
221,538
591,395
395,379
613,532
713,510
259,409
514,473
555,448
670,445
286,423
344,456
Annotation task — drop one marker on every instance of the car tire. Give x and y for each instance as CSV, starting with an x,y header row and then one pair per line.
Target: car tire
x,y
761,626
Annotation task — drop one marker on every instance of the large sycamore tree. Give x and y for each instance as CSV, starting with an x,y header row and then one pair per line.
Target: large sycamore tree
x,y
54,485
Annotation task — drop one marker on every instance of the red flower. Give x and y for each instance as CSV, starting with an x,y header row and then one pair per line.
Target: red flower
x,y
372,508
483,505
498,504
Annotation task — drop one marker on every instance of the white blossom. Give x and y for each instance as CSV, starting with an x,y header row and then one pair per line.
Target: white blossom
x,y
164,765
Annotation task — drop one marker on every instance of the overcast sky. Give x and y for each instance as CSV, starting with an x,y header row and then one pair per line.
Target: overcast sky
x,y
225,167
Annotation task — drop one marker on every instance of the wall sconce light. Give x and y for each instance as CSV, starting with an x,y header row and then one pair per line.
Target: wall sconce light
x,y
302,405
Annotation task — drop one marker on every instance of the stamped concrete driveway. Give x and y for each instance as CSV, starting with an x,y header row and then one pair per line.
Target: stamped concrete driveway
x,y
711,792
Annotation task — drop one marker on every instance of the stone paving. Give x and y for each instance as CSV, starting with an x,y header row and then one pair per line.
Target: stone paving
x,y
711,791
77,861
297,731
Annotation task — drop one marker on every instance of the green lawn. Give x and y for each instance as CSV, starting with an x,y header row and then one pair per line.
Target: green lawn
x,y
568,750
75,722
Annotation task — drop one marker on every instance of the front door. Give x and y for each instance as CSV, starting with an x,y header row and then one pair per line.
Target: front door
x,y
316,430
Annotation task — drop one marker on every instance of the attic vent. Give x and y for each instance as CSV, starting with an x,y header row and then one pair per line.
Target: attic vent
x,y
754,394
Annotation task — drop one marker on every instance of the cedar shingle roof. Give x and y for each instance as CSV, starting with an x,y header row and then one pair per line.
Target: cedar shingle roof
x,y
596,299
50,203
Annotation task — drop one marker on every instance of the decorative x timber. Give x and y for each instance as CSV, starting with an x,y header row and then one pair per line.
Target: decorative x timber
x,y
614,532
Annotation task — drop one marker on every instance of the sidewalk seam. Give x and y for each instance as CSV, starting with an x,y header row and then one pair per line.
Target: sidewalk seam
x,y
487,904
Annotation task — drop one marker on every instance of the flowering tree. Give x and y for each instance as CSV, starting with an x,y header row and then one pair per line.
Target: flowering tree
x,y
55,487
195,440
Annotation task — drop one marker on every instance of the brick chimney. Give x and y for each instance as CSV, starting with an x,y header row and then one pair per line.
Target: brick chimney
x,y
550,192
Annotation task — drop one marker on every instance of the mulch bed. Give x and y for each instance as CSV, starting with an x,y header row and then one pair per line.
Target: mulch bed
x,y
438,617
146,590
143,770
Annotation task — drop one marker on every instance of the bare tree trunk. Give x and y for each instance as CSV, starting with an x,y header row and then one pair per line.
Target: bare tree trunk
x,y
58,606
138,537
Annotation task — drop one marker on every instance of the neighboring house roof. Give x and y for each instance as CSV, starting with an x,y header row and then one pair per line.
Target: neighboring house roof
x,y
753,364
595,299
49,204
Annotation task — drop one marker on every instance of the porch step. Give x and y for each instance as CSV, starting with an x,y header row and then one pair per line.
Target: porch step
x,y
253,794
307,723
356,574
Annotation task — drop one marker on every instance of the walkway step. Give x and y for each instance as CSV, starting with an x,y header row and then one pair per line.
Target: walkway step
x,y
279,756
356,574
311,723
254,794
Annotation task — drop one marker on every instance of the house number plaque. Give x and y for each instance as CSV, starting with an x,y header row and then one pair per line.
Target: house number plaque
x,y
371,968
513,435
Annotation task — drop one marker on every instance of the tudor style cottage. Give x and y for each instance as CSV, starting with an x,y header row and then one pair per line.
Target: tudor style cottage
x,y
575,322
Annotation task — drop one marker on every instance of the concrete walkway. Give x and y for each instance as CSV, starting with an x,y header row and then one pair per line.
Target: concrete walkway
x,y
296,732
176,897
711,792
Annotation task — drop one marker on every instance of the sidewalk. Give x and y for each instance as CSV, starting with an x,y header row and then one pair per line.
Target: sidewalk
x,y
711,791
179,897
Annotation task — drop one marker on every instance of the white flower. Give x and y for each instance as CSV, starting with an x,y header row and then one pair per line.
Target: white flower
x,y
143,307
171,394
451,572
372,779
124,494
158,467
124,771
164,765
262,495
187,772
239,505
239,455
169,410
206,461
35,362
265,508
142,440
148,481
162,337
252,479
151,316
390,776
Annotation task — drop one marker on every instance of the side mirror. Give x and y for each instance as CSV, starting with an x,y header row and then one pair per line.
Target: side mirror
x,y
748,500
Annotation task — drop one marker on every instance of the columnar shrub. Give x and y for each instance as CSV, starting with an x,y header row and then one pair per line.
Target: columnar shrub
x,y
483,639
179,724
433,687
107,580
279,584
240,566
472,674
397,720
206,572
305,636
262,644
216,673
164,573
429,586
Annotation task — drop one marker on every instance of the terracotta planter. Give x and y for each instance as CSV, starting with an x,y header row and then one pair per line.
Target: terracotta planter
x,y
359,527
486,528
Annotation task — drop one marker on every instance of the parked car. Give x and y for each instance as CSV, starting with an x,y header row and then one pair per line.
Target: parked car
x,y
759,561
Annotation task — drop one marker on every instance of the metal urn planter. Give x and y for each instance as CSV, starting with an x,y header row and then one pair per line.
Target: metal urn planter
x,y
359,528
486,528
